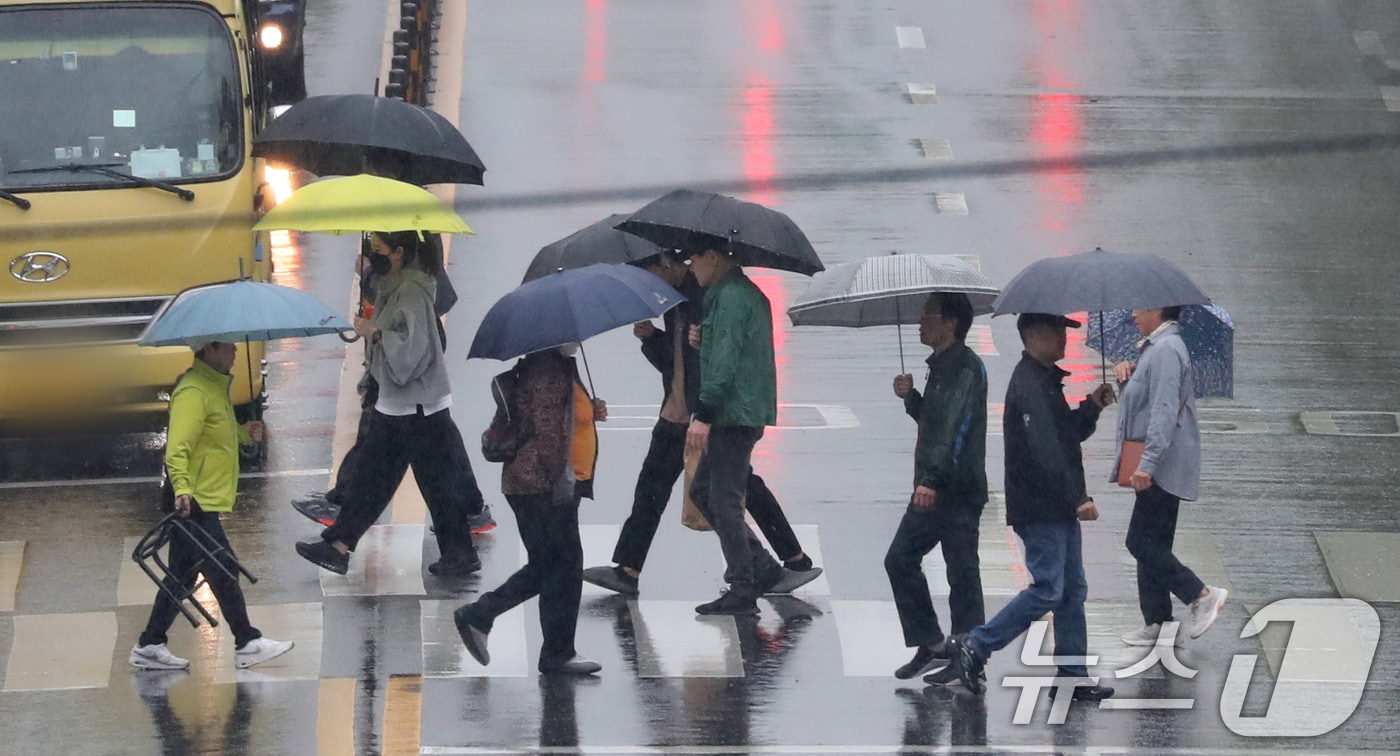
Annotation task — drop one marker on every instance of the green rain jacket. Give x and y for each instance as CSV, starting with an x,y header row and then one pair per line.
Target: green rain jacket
x,y
201,452
738,378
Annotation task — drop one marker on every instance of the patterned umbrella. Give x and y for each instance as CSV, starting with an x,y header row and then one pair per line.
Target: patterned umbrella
x,y
1209,334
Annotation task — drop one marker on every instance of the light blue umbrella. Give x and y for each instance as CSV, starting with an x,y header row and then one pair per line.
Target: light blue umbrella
x,y
1209,334
242,310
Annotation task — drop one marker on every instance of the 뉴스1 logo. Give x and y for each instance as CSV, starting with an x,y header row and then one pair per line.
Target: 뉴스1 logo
x,y
40,267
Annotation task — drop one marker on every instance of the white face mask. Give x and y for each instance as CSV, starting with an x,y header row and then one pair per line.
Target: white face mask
x,y
568,350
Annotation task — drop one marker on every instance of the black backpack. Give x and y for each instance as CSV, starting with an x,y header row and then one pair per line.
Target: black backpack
x,y
502,440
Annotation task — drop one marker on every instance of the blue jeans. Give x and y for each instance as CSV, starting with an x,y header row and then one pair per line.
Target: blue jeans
x,y
1054,556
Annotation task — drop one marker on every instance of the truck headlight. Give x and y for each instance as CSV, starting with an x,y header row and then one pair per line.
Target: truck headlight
x,y
270,37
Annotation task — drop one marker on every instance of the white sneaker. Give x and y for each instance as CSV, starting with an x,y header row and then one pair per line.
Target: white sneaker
x,y
1205,609
155,656
1156,634
261,650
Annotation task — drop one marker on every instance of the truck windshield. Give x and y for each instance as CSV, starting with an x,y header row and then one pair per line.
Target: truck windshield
x,y
150,91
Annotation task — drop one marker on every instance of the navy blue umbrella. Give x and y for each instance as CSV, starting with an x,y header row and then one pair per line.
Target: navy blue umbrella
x,y
1207,330
569,306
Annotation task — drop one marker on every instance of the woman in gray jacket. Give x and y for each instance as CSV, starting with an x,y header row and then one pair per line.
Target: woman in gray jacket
x,y
1158,408
410,424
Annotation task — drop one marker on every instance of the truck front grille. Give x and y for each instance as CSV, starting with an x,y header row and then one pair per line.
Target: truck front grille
x,y
91,321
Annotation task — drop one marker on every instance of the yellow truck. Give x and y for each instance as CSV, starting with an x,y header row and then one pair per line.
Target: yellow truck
x,y
126,176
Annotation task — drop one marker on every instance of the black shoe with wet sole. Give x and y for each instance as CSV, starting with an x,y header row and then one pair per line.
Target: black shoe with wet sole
x,y
926,659
455,567
1086,692
729,602
324,555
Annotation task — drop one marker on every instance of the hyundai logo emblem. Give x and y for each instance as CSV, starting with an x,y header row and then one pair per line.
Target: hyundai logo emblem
x,y
40,267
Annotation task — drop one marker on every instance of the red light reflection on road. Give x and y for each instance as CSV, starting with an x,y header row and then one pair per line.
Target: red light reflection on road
x,y
595,41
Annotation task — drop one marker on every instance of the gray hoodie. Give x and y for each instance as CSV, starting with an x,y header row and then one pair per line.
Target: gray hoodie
x,y
1158,406
407,362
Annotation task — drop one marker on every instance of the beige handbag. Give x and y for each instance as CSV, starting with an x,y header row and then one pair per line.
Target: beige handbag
x,y
690,514
1128,461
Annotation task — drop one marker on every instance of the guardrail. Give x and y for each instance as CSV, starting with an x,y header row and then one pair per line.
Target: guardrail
x,y
411,64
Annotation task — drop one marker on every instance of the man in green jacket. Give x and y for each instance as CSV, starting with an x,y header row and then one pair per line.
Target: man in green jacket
x,y
738,398
201,457
950,484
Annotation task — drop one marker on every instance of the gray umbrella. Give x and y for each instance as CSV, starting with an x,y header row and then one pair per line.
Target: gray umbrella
x,y
1097,281
598,243
888,290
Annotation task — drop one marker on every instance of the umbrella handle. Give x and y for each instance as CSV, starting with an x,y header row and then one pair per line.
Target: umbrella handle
x,y
354,337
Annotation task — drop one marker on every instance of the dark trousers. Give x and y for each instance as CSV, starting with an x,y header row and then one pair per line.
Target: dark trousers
x,y
721,479
184,558
553,571
664,463
432,446
955,526
471,492
1151,533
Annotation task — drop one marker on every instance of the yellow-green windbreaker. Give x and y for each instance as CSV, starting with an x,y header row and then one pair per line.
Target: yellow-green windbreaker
x,y
202,450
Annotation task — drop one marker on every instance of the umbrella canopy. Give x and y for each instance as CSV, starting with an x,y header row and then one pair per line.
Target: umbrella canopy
x,y
1209,334
598,243
362,203
342,135
694,221
1095,281
241,310
888,290
570,306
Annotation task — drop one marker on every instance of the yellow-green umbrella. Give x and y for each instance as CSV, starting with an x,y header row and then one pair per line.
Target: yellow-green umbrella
x,y
362,203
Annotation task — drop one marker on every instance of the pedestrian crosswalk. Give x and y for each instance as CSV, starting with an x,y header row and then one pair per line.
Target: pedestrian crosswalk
x,y
670,639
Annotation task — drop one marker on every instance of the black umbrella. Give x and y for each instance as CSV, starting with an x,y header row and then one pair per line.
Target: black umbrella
x,y
344,135
694,221
1097,281
598,243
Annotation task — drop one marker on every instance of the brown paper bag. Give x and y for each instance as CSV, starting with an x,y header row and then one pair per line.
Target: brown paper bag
x,y
1128,462
690,514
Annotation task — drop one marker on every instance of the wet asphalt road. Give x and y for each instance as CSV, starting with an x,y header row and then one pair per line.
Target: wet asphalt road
x,y
585,109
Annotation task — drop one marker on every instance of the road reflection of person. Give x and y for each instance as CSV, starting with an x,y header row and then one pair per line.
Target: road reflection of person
x,y
950,484
177,739
324,508
1158,407
543,483
201,456
738,398
411,424
1046,498
670,352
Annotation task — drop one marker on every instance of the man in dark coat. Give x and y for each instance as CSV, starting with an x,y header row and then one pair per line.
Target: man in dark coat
x,y
1045,500
950,484
670,352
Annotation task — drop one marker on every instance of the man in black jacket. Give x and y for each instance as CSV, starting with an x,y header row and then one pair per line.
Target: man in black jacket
x,y
950,484
1045,500
670,352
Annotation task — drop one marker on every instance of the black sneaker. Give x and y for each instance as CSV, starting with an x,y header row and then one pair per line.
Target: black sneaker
x,y
799,563
965,662
729,602
613,578
1086,692
455,567
926,659
324,555
317,509
473,637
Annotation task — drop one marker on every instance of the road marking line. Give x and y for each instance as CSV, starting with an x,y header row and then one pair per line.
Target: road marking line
x,y
936,149
1369,43
445,656
921,94
403,715
910,37
950,203
335,717
1391,95
11,567
674,641
388,561
134,588
62,651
